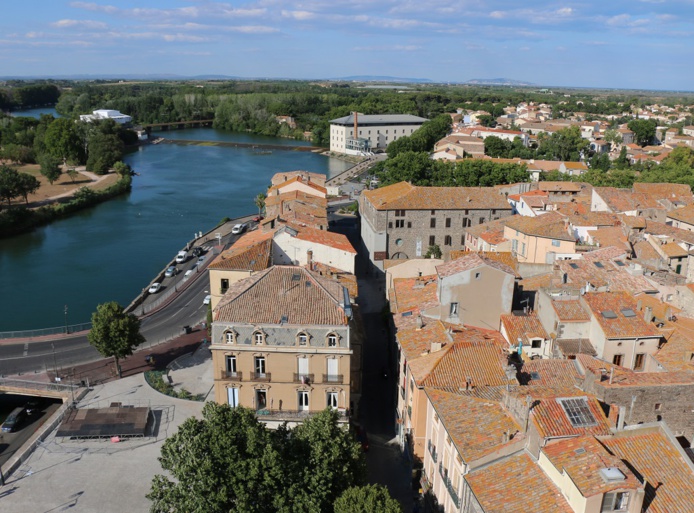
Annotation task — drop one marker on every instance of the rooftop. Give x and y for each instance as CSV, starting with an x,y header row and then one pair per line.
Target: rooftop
x,y
322,237
550,226
251,252
316,178
379,119
684,214
403,195
570,310
549,373
283,294
616,312
523,327
468,262
572,413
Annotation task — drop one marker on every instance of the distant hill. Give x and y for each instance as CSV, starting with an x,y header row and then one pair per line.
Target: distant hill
x,y
499,82
376,78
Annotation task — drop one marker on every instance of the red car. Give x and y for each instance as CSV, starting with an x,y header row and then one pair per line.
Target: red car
x,y
257,219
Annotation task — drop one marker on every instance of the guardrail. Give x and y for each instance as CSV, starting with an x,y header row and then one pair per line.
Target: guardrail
x,y
60,330
35,385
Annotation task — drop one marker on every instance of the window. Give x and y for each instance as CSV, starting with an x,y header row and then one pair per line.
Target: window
x,y
260,399
332,340
233,397
432,240
523,249
303,339
615,501
409,224
331,400
466,222
556,243
493,211
432,223
462,240
447,241
224,285
303,400
577,411
514,245
639,361
260,366
618,359
478,276
658,406
454,309
230,337
448,222
482,220
258,337
399,223
433,212
399,213
536,344
231,365
390,224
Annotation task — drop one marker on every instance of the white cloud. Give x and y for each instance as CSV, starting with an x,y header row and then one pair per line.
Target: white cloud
x,y
86,24
387,48
299,15
253,29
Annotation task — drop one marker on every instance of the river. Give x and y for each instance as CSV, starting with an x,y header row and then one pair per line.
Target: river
x,y
110,252
35,113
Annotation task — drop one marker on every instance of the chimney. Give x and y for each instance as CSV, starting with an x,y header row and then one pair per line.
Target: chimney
x,y
622,414
504,437
613,417
648,314
639,305
309,259
419,322
435,346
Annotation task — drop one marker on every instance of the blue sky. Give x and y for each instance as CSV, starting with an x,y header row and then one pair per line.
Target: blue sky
x,y
612,43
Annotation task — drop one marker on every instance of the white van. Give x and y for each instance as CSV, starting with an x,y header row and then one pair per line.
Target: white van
x,y
181,257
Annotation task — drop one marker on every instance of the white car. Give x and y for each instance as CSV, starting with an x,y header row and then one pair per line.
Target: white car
x,y
207,300
181,257
188,273
238,228
156,287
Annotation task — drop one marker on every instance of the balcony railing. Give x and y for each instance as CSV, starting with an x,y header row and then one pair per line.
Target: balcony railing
x,y
332,378
300,415
432,451
449,485
261,376
402,392
303,378
232,376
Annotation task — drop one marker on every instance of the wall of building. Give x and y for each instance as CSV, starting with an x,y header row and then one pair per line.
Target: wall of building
x,y
537,250
216,277
562,481
287,250
379,136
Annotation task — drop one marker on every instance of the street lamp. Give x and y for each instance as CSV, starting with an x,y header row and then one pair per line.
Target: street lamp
x,y
67,330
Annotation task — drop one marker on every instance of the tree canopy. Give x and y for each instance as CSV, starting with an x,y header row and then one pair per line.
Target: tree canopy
x,y
229,462
367,499
114,332
644,130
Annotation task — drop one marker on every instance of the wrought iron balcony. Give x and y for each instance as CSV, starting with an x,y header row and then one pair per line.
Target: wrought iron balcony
x,y
297,415
449,485
332,378
432,451
306,379
261,376
232,376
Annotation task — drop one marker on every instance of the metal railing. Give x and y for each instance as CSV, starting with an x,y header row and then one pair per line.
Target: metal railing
x,y
232,376
261,376
60,330
303,378
449,485
35,385
266,414
432,451
332,378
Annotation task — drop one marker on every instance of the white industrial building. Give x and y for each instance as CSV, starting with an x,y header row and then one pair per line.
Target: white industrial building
x,y
115,115
360,134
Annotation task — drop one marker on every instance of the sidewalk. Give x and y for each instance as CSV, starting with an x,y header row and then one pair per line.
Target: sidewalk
x,y
193,372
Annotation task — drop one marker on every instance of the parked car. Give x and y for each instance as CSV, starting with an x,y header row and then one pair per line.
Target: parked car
x,y
34,406
13,420
239,228
207,300
171,271
201,260
257,219
181,257
198,250
156,287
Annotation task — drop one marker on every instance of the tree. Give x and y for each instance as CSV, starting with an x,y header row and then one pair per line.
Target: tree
x,y
9,183
367,499
644,130
433,251
122,168
612,136
486,120
496,146
259,201
104,151
72,173
62,140
50,167
114,332
228,461
27,184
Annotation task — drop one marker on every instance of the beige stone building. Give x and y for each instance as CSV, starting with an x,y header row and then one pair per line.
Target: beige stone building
x,y
282,344
539,240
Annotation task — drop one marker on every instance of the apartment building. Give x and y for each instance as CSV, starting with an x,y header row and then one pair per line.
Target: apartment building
x,y
402,221
374,132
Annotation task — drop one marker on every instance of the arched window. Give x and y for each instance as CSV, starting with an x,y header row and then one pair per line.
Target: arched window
x,y
302,338
332,340
258,337
230,336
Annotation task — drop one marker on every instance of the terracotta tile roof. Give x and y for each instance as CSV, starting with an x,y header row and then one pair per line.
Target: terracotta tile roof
x,y
270,295
676,354
570,310
598,219
411,293
644,251
297,178
559,186
549,373
317,178
536,282
468,262
673,250
476,426
620,326
402,195
671,191
323,237
625,200
582,459
347,280
623,377
656,228
599,269
293,196
684,214
524,327
493,228
613,236
633,221
551,420
516,484
550,226
575,165
659,462
252,251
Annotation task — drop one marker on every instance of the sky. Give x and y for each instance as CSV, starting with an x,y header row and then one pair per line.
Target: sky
x,y
636,44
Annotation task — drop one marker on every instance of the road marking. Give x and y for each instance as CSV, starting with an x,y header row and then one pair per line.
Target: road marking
x,y
26,348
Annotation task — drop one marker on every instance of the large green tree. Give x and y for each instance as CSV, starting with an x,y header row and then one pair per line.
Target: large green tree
x,y
644,130
9,183
114,332
104,149
50,167
259,201
27,184
229,462
62,140
367,499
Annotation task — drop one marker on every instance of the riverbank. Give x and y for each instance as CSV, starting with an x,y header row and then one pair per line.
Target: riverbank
x,y
261,147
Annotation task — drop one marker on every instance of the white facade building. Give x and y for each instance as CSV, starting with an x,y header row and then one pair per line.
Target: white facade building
x,y
374,132
118,117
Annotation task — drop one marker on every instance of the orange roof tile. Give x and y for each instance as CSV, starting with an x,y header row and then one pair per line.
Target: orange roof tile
x,y
670,478
403,195
524,327
252,251
679,234
582,459
620,326
282,177
549,373
476,426
570,311
559,186
516,484
468,262
623,377
550,226
684,214
299,179
324,237
551,420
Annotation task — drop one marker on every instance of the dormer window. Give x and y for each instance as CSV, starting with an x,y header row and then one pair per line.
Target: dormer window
x,y
230,336
258,337
302,339
332,340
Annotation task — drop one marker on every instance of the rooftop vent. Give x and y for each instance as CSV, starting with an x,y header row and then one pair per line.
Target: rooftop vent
x,y
308,284
608,314
284,319
580,450
534,375
406,314
612,475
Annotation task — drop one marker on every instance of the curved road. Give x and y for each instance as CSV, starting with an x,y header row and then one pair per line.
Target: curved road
x,y
184,309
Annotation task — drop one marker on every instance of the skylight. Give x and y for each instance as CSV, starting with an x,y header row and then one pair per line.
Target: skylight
x,y
534,375
619,263
296,277
573,266
628,312
577,411
599,265
608,314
